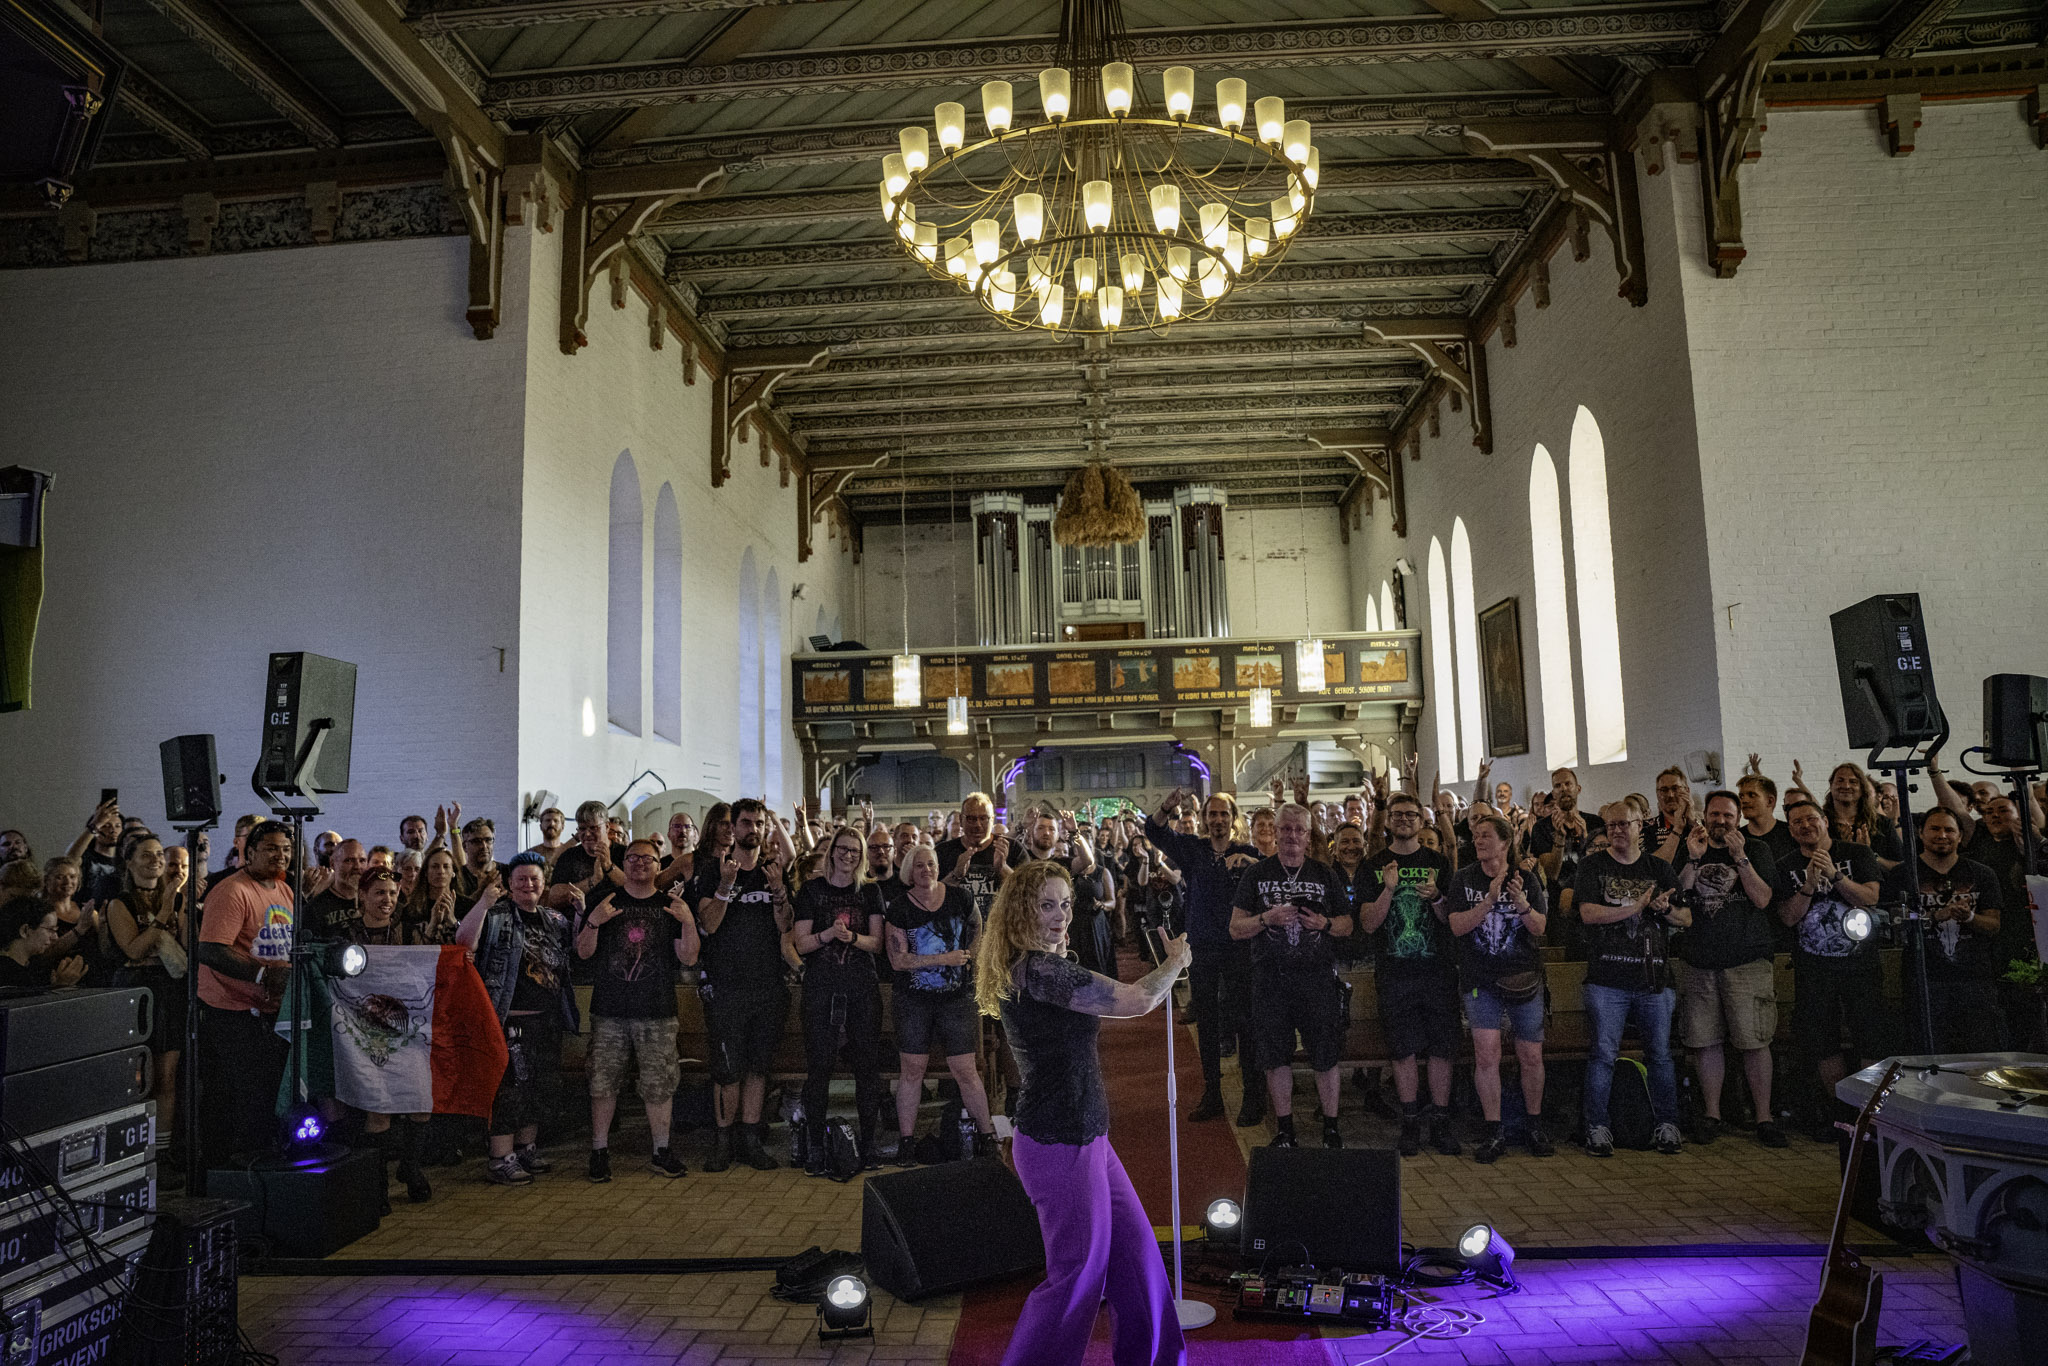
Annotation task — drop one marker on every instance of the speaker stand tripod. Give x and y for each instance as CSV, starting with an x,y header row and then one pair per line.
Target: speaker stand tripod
x,y
1192,1313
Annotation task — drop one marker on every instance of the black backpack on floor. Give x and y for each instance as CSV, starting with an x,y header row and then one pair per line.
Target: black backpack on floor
x,y
1628,1106
842,1150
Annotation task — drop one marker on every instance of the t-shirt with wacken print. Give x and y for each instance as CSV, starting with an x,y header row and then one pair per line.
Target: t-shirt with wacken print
x,y
1628,954
1292,949
1818,940
1955,951
1413,941
1500,944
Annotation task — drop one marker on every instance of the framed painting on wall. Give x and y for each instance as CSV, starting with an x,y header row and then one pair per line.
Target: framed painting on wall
x,y
1500,656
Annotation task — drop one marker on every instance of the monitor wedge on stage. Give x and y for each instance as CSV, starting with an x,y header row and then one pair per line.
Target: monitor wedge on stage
x,y
1325,1207
932,1230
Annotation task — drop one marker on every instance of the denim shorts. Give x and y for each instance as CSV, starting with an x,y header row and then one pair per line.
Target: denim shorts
x,y
1484,1009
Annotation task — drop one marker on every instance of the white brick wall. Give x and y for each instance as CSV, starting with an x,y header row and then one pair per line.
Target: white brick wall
x,y
1872,408
1297,563
936,558
290,450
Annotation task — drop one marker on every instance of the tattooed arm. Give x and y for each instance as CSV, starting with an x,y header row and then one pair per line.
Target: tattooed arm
x,y
1071,986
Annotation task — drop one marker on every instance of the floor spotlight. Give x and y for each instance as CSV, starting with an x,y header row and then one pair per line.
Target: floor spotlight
x,y
1223,1219
304,1132
1488,1256
843,1313
1857,925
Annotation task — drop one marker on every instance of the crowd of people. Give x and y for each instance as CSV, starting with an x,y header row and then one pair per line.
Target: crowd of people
x,y
1677,905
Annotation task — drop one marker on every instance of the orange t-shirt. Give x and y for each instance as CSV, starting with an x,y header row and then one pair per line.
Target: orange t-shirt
x,y
255,917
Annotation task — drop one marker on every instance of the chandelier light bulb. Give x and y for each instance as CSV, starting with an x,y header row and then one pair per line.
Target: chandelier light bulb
x,y
1055,92
1284,222
1053,310
1116,88
1258,237
1230,103
1262,707
888,202
1178,260
895,173
1294,140
1131,265
1169,298
1308,665
951,121
1233,251
1166,208
958,250
1109,307
1084,276
904,675
1271,112
916,145
906,223
1215,220
926,242
988,240
996,106
1095,204
1180,91
1312,169
1215,279
1002,290
1030,212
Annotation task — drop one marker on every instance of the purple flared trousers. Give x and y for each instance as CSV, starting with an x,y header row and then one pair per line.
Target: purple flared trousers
x,y
1098,1242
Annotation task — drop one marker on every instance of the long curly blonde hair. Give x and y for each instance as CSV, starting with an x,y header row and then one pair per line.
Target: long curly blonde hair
x,y
1011,932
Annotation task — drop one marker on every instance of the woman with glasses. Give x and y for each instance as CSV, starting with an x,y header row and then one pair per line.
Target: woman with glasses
x,y
838,930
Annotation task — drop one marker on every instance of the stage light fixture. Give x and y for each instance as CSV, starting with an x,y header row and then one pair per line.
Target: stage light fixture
x,y
843,1313
1857,925
1488,1256
1223,1218
304,1132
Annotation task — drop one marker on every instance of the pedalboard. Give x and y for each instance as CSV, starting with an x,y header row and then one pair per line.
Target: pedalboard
x,y
1297,1292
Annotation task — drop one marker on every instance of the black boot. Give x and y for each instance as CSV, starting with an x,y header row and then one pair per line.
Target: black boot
x,y
1411,1129
750,1146
1253,1110
721,1150
1210,1106
814,1150
410,1135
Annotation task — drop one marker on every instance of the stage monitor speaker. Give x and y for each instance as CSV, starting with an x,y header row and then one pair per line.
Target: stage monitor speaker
x,y
45,1097
38,1031
1886,674
2016,720
302,691
191,779
1332,1208
933,1230
312,1208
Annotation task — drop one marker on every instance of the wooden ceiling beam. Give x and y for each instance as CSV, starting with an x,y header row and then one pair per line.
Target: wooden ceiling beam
x,y
448,16
256,66
1282,406
165,115
1552,73
1910,24
1626,29
1014,389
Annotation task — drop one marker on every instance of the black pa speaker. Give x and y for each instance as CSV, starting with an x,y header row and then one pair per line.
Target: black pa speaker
x,y
191,781
77,1022
1886,675
309,1208
1325,1207
2016,720
933,1230
304,694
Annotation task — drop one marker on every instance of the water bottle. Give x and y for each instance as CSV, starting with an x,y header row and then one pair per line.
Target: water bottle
x,y
799,1132
966,1133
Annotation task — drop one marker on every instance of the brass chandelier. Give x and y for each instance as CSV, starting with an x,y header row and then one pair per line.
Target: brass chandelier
x,y
1106,214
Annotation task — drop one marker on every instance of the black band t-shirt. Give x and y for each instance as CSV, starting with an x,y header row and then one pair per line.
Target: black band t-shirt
x,y
1061,1097
635,962
1956,952
745,952
1728,929
954,925
1500,944
1819,942
980,879
1413,941
838,966
538,987
1292,949
1628,954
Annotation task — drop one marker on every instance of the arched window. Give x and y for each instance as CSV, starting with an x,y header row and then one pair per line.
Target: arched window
x,y
1388,621
1372,615
749,686
1443,693
1465,620
668,616
1593,574
622,600
820,628
771,688
1553,634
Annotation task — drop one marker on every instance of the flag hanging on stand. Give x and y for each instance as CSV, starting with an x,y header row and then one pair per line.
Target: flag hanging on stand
x,y
414,1033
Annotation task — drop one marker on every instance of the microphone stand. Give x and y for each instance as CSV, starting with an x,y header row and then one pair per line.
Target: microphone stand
x,y
1191,1313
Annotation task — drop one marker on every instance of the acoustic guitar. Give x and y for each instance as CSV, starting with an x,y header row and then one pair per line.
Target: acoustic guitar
x,y
1842,1329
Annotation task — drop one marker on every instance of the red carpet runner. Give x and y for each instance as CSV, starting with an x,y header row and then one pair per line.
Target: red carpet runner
x,y
1134,1071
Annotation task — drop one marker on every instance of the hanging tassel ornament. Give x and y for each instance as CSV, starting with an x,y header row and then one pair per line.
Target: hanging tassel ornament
x,y
1099,508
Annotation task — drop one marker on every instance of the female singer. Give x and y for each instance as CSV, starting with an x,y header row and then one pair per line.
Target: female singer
x,y
1098,1238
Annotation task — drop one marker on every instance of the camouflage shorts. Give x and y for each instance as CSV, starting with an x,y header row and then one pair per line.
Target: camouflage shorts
x,y
652,1042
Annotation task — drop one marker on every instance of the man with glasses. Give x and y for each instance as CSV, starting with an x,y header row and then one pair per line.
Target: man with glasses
x,y
635,938
744,909
1624,898
1417,987
881,853
245,960
479,870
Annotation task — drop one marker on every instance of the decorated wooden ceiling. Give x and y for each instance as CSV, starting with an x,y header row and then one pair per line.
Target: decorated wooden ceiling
x,y
1462,142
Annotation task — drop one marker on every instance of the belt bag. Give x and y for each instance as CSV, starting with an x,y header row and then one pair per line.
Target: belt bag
x,y
1518,988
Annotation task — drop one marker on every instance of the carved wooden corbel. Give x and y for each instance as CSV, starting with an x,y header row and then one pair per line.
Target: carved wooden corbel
x,y
1506,323
689,362
1539,286
819,494
77,221
478,187
1455,358
1731,76
600,222
742,393
657,324
1587,161
202,211
323,206
1900,115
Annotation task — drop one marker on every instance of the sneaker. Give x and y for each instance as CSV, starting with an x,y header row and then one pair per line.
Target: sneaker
x,y
600,1165
529,1157
1442,1136
1283,1139
1667,1140
1209,1107
1771,1136
1707,1130
1411,1135
1599,1141
506,1171
1539,1145
1492,1150
666,1163
1332,1137
814,1160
